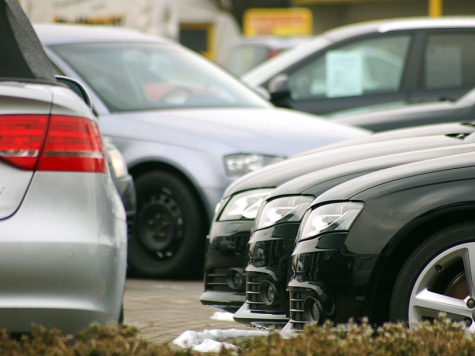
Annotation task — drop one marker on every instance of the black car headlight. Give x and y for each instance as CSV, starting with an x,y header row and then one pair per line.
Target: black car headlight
x,y
328,218
291,208
245,205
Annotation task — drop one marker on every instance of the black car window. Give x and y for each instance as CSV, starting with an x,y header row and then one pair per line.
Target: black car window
x,y
368,66
449,61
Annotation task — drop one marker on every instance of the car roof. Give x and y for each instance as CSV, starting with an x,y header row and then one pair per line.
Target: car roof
x,y
272,41
400,24
275,65
22,57
55,34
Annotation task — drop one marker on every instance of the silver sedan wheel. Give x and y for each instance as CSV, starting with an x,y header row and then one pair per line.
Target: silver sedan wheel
x,y
457,297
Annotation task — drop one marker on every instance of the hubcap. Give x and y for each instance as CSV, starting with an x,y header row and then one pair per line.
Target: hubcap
x,y
456,297
160,226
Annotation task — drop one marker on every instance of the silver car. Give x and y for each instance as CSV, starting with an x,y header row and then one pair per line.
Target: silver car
x,y
62,223
186,129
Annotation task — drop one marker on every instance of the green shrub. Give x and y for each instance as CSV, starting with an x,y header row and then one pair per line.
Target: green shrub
x,y
440,338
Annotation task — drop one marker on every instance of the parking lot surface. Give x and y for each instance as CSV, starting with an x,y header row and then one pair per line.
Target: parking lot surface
x,y
163,310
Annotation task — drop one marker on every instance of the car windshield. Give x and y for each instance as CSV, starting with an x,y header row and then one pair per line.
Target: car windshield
x,y
148,76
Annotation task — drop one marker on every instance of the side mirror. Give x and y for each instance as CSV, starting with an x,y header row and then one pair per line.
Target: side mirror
x,y
262,92
76,87
279,86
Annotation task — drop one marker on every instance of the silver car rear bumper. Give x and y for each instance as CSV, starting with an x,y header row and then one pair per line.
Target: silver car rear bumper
x,y
63,254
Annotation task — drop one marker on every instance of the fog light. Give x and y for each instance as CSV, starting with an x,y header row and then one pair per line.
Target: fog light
x,y
235,278
313,310
268,293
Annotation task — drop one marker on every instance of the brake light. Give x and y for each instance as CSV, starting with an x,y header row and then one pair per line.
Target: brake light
x,y
21,139
63,143
72,144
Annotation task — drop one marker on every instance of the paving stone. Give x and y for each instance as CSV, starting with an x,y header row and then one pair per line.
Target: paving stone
x,y
163,310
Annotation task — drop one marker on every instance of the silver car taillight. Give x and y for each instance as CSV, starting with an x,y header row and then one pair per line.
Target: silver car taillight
x,y
56,143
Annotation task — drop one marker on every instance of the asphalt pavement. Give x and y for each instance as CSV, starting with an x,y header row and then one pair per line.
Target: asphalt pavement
x,y
163,310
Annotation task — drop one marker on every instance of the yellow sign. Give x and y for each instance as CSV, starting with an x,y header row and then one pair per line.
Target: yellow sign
x,y
277,22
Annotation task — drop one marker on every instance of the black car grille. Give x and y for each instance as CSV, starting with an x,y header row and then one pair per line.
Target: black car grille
x,y
216,280
253,294
297,313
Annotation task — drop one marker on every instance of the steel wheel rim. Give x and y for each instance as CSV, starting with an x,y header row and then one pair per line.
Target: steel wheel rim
x,y
160,225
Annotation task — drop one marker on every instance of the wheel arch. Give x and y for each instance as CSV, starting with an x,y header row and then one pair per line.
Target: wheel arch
x,y
149,166
400,247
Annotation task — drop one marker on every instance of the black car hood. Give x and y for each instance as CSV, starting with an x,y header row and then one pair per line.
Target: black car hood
x,y
317,182
279,173
354,188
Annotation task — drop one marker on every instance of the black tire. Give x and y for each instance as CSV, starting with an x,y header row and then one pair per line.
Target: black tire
x,y
432,280
168,234
121,315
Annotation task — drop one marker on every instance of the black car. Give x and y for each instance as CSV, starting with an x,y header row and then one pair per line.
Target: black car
x,y
396,244
224,284
388,117
407,60
277,223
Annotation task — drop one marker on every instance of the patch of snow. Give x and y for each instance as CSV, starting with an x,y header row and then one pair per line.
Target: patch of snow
x,y
209,345
287,331
213,340
222,316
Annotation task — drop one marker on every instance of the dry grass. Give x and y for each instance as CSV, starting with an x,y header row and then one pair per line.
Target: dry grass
x,y
440,338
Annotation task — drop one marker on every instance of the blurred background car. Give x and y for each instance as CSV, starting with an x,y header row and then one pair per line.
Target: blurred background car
x,y
117,166
224,282
391,116
249,52
186,129
122,180
398,60
63,227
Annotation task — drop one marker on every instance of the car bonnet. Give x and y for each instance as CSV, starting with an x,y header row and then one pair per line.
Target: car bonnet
x,y
352,188
282,172
232,130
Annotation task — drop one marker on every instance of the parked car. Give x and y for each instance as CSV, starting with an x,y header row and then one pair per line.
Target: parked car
x,y
123,181
252,51
224,282
186,129
391,245
399,115
399,60
63,236
278,220
117,166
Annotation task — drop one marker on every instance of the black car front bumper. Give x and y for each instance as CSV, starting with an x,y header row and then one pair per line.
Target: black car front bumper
x,y
226,253
326,283
269,257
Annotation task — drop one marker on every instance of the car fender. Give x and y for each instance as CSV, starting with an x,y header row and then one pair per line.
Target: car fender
x,y
206,172
395,209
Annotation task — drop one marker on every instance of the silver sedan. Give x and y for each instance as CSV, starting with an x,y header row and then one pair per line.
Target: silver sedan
x,y
186,130
62,224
